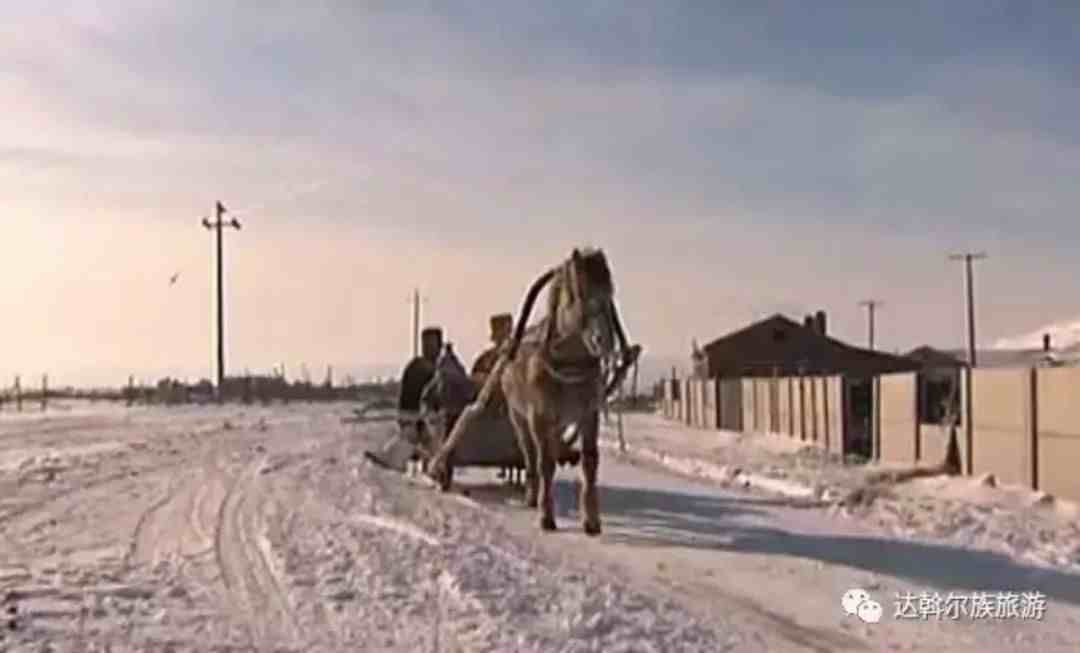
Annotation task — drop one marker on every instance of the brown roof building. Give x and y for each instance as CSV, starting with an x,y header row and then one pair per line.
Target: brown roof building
x,y
778,345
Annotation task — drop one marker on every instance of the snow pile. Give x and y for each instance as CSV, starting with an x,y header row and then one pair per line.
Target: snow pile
x,y
962,511
1028,526
778,465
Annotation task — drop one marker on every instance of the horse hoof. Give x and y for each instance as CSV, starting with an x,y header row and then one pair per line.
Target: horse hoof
x,y
592,528
548,524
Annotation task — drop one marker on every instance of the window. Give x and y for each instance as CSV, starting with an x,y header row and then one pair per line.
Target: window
x,y
779,335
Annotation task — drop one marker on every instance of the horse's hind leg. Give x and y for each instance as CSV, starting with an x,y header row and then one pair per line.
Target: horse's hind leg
x,y
529,454
588,503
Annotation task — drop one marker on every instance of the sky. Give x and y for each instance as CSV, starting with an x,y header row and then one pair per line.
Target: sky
x,y
733,159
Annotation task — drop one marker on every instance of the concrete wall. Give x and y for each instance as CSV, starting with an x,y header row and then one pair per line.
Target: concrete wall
x,y
1025,424
810,401
963,431
761,405
837,417
1058,442
691,402
810,409
747,399
797,408
731,404
934,443
783,400
680,401
773,391
699,403
896,417
710,405
669,399
1003,425
820,409
687,402
806,424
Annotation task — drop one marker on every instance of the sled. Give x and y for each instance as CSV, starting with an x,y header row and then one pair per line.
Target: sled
x,y
491,440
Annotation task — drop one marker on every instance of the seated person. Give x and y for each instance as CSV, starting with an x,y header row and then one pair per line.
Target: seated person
x,y
401,447
450,389
501,329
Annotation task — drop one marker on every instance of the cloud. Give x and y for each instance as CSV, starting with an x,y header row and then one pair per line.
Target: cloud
x,y
733,160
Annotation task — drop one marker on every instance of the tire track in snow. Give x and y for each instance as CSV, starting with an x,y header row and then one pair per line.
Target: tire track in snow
x,y
142,525
248,574
139,475
397,526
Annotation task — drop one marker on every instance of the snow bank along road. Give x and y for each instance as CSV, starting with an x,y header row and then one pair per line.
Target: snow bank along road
x,y
260,528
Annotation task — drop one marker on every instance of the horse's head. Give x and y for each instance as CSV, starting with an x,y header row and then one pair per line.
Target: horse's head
x,y
582,301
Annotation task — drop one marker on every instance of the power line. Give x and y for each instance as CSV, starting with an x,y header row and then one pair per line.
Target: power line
x,y
871,305
219,225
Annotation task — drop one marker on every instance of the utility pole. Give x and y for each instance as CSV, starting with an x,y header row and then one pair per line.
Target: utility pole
x,y
969,430
219,225
871,305
969,285
416,300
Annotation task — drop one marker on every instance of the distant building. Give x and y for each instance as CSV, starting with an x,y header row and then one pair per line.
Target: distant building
x,y
939,371
780,346
930,358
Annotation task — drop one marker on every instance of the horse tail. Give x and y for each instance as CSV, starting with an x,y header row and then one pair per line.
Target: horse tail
x,y
526,309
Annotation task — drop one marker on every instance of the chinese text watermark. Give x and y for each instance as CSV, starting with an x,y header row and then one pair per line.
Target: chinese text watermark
x,y
974,606
953,606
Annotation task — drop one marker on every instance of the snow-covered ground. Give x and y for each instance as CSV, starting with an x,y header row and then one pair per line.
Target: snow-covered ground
x,y
228,528
262,528
1028,526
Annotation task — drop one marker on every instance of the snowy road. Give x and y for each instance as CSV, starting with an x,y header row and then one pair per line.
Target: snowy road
x,y
779,572
260,528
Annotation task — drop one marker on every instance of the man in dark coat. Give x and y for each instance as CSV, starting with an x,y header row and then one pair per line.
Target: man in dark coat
x,y
401,448
501,328
450,389
420,370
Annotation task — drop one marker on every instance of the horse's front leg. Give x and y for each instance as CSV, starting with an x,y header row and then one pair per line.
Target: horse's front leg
x,y
544,435
526,442
588,503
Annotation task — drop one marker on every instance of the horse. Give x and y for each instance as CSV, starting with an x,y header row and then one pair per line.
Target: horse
x,y
552,376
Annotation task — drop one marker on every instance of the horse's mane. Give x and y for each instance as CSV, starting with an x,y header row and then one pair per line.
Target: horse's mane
x,y
597,276
597,271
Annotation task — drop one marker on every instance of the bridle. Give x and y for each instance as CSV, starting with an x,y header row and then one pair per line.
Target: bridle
x,y
577,371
